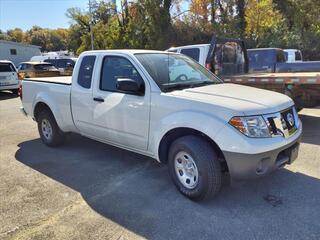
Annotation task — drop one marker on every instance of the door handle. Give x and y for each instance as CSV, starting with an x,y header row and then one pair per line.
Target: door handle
x,y
98,99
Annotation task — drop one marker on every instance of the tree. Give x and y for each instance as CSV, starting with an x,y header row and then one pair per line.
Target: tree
x,y
159,24
241,7
263,22
16,35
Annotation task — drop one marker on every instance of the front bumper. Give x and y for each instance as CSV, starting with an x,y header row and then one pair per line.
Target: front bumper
x,y
248,166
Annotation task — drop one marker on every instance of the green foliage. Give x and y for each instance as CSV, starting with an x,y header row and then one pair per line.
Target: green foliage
x,y
159,24
48,39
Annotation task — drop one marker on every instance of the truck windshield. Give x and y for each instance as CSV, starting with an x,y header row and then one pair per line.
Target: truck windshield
x,y
174,71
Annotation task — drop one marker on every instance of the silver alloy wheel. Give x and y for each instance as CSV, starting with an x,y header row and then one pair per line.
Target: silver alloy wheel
x,y
46,129
186,170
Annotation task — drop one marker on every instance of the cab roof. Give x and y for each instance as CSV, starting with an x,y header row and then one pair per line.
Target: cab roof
x,y
123,51
190,46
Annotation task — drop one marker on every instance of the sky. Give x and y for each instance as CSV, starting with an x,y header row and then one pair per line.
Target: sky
x,y
44,13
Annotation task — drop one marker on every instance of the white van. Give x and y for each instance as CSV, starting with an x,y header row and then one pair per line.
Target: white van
x,y
8,76
43,57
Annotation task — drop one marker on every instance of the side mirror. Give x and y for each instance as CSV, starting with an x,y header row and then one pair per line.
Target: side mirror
x,y
129,86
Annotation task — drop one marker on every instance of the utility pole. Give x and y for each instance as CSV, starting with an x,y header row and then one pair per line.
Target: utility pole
x,y
90,25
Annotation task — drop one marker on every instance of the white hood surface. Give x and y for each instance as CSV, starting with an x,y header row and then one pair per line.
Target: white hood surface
x,y
243,99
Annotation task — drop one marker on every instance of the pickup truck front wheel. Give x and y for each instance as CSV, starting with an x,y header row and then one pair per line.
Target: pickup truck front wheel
x,y
194,168
49,130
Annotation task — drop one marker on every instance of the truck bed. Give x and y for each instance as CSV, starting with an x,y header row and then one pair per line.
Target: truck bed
x,y
65,80
55,93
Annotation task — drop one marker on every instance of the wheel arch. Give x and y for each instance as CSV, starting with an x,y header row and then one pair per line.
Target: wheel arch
x,y
39,107
45,101
178,132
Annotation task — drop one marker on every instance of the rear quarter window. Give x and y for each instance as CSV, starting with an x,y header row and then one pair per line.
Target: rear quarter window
x,y
85,71
298,56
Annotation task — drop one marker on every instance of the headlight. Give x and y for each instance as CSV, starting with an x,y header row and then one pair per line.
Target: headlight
x,y
254,126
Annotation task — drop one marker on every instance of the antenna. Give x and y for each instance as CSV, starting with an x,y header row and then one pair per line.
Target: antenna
x,y
90,25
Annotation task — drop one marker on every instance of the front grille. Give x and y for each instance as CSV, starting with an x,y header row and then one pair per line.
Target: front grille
x,y
284,123
289,119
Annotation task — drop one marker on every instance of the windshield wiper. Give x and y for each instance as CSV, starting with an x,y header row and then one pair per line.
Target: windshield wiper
x,y
177,86
203,83
181,86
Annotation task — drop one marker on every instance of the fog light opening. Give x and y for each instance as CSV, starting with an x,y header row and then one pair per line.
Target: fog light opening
x,y
262,166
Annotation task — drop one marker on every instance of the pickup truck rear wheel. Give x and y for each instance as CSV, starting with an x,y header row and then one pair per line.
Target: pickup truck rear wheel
x,y
194,168
49,130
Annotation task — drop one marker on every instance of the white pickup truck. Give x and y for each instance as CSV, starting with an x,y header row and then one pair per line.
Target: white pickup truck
x,y
167,106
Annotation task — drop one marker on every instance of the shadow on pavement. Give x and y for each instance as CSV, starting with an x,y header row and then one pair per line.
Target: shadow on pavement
x,y
137,193
311,129
7,95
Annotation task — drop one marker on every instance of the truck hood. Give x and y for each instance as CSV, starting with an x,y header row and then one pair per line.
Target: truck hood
x,y
241,99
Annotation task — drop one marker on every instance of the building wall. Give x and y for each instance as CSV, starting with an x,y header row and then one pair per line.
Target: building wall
x,y
17,52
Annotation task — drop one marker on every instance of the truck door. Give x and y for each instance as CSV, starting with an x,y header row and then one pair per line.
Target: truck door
x,y
121,117
81,95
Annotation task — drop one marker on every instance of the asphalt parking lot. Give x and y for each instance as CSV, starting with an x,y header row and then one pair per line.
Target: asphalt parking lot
x,y
89,190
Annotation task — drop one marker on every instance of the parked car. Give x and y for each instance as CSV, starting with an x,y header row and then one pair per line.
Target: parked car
x,y
8,77
167,106
65,65
293,55
51,55
37,69
270,60
228,58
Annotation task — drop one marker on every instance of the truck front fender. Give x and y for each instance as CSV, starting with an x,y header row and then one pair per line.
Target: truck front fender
x,y
201,122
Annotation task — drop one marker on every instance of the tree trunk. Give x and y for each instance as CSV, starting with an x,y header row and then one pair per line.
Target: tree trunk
x,y
241,16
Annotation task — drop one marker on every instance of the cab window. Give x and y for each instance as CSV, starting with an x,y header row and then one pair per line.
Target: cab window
x,y
115,67
298,56
194,53
85,71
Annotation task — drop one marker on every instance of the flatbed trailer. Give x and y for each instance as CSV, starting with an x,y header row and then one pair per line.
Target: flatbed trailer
x,y
303,88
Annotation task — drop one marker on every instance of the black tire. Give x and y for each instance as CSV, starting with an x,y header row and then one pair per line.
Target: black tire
x,y
206,161
57,136
15,91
